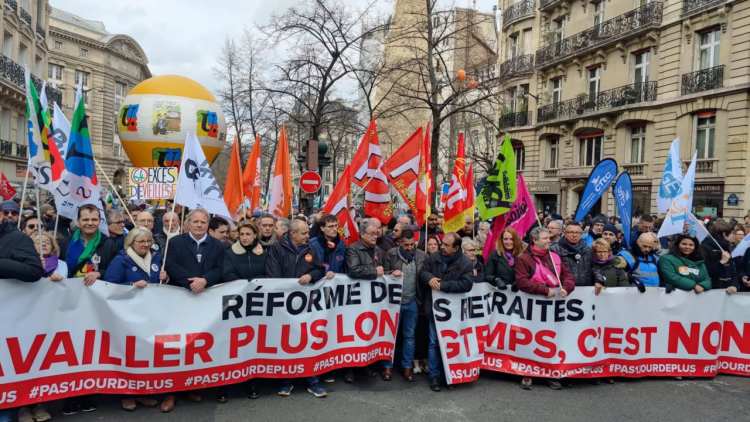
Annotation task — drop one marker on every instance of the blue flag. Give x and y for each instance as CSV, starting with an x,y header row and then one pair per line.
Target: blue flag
x,y
599,180
624,199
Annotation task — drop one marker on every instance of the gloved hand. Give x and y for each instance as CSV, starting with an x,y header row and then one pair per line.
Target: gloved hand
x,y
640,286
500,284
669,288
514,288
599,277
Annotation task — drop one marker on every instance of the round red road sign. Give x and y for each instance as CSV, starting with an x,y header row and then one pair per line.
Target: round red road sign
x,y
310,182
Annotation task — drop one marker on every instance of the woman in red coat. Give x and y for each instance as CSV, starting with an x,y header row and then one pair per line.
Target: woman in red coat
x,y
536,275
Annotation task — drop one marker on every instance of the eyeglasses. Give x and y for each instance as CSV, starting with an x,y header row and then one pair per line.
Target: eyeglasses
x,y
470,250
32,226
574,233
143,242
11,212
371,233
119,223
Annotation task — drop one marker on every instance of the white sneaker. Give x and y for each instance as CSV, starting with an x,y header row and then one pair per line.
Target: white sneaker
x,y
40,413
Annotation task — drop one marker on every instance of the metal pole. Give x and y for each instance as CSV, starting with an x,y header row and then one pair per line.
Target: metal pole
x,y
39,224
57,221
169,230
23,197
115,190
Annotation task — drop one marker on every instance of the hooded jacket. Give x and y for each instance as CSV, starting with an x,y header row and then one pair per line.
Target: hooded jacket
x,y
18,256
578,259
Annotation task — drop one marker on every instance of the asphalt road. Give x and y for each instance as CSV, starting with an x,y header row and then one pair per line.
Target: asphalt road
x,y
493,398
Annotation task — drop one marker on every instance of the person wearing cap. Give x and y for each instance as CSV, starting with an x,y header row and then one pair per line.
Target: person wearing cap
x,y
597,226
11,211
609,234
48,216
575,254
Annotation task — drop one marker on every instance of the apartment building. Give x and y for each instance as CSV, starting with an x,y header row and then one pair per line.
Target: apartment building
x,y
587,80
108,67
23,31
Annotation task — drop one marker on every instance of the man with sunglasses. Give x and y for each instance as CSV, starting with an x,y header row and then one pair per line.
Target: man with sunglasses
x,y
10,211
30,225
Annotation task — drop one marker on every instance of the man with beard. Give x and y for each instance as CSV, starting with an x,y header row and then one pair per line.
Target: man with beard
x,y
597,226
432,227
575,254
468,229
642,262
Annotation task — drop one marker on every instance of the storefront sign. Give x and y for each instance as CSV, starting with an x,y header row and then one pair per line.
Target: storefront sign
x,y
715,189
545,188
733,200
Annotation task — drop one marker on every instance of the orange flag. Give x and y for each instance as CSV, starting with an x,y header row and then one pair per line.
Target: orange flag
x,y
456,204
233,196
251,176
340,205
280,203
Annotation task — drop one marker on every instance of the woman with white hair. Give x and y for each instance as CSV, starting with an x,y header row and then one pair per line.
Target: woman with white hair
x,y
54,268
136,265
470,250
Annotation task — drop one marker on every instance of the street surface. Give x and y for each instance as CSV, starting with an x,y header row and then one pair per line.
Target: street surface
x,y
493,398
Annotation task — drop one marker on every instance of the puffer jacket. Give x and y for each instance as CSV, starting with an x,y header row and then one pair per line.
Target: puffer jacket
x,y
336,260
578,259
18,257
362,262
123,270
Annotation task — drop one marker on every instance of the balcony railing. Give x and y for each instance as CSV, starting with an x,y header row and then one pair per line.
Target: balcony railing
x,y
551,173
509,120
690,6
543,4
635,169
618,97
21,150
12,4
14,73
517,66
703,80
640,19
517,11
703,165
575,172
25,16
40,30
6,148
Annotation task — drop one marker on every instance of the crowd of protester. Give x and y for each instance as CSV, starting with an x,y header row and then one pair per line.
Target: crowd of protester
x,y
553,258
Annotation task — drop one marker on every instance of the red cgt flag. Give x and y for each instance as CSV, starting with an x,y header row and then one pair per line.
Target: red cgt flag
x,y
402,170
340,205
367,174
6,190
457,204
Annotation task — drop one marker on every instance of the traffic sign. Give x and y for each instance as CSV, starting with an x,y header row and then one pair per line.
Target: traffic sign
x,y
310,182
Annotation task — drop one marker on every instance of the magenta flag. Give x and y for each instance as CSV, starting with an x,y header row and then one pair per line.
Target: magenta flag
x,y
489,245
522,214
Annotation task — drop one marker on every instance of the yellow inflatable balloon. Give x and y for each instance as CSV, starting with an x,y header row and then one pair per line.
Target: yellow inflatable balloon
x,y
157,115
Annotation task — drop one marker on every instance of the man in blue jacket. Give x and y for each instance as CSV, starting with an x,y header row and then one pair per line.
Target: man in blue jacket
x,y
328,244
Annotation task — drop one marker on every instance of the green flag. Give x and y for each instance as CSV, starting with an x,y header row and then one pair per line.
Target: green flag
x,y
499,192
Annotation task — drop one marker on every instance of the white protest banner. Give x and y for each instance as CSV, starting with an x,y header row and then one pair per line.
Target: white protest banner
x,y
115,339
620,333
152,182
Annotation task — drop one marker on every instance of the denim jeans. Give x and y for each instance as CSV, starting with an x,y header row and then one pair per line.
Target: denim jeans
x,y
310,381
407,321
5,415
433,355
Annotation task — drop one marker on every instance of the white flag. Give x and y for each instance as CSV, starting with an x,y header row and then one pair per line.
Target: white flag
x,y
196,186
696,228
61,131
682,205
671,179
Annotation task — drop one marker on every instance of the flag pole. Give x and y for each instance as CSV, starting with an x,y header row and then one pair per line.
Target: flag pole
x,y
57,221
113,188
366,183
166,247
553,261
39,223
23,195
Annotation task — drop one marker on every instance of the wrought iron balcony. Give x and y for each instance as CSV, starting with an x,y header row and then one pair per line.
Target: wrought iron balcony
x,y
14,73
21,150
544,4
40,30
618,97
12,4
509,120
637,20
25,16
6,148
518,11
517,66
694,6
703,80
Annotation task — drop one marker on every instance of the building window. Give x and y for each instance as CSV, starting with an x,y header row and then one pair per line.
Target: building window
x,y
642,67
559,30
554,153
84,52
512,99
599,13
8,46
556,90
520,158
22,52
117,150
55,72
119,96
82,78
709,49
638,144
21,130
705,134
513,46
595,78
328,176
527,41
590,150
58,46
327,189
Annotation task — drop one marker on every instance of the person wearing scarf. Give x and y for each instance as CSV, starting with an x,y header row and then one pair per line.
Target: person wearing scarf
x,y
605,270
54,268
500,268
328,245
88,253
575,253
170,228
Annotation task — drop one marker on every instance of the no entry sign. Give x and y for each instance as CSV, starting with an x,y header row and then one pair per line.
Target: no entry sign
x,y
310,182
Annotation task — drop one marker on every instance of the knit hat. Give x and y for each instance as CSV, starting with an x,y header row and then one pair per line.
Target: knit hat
x,y
611,228
10,206
601,218
45,208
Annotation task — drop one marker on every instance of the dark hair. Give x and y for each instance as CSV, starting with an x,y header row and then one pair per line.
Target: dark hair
x,y
456,240
721,229
574,223
217,222
27,219
697,254
407,234
328,218
262,216
645,218
88,207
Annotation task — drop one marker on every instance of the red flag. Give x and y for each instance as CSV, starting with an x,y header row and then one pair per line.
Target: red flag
x,y
424,181
6,190
233,196
367,174
251,176
402,170
340,205
471,199
456,204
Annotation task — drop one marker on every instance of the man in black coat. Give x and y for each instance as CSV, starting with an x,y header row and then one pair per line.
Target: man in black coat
x,y
293,257
447,270
717,250
81,260
18,257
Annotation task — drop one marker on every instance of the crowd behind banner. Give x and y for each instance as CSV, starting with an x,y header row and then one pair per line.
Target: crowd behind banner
x,y
194,250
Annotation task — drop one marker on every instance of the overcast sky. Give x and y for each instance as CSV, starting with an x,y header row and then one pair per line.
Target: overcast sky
x,y
184,37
